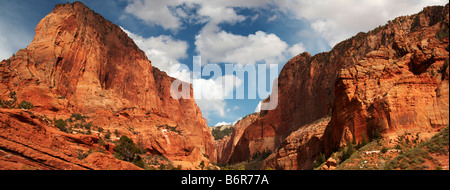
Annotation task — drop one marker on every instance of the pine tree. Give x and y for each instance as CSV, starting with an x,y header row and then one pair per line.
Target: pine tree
x,y
364,140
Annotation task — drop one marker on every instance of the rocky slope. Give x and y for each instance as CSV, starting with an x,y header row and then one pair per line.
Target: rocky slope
x,y
79,62
391,79
28,143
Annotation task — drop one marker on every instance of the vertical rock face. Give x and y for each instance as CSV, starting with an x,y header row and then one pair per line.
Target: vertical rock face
x,y
227,145
87,59
391,79
299,150
79,62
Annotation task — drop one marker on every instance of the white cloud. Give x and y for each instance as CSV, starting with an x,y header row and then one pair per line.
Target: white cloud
x,y
228,123
164,52
215,88
272,18
154,12
170,14
216,46
296,49
221,124
254,17
210,94
220,14
258,108
338,20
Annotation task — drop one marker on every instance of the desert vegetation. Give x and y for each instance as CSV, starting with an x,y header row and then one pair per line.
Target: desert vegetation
x,y
423,155
218,133
408,153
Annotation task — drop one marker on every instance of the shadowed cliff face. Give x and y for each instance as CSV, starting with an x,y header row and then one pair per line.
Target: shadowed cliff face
x,y
391,79
78,62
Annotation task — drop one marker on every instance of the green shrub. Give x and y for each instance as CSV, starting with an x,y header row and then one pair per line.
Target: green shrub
x,y
376,134
10,103
348,151
319,160
259,156
363,140
82,155
220,134
78,117
61,124
384,149
443,69
415,23
108,134
126,149
25,105
202,164
442,34
138,161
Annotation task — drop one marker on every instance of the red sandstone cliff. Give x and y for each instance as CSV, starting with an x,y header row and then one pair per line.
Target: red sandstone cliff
x,y
402,85
393,78
79,62
227,145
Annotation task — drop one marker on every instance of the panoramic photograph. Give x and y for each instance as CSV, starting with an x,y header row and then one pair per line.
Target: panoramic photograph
x,y
224,85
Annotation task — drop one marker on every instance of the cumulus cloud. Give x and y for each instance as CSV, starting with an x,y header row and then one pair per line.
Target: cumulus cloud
x,y
170,14
227,123
210,94
154,12
164,52
215,88
296,49
222,124
212,43
218,46
220,14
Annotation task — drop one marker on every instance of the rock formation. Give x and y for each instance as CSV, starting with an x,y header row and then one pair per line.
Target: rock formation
x,y
227,145
79,62
401,85
300,148
392,79
27,142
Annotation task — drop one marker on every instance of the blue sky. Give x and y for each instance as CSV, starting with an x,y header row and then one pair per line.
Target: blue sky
x,y
222,32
